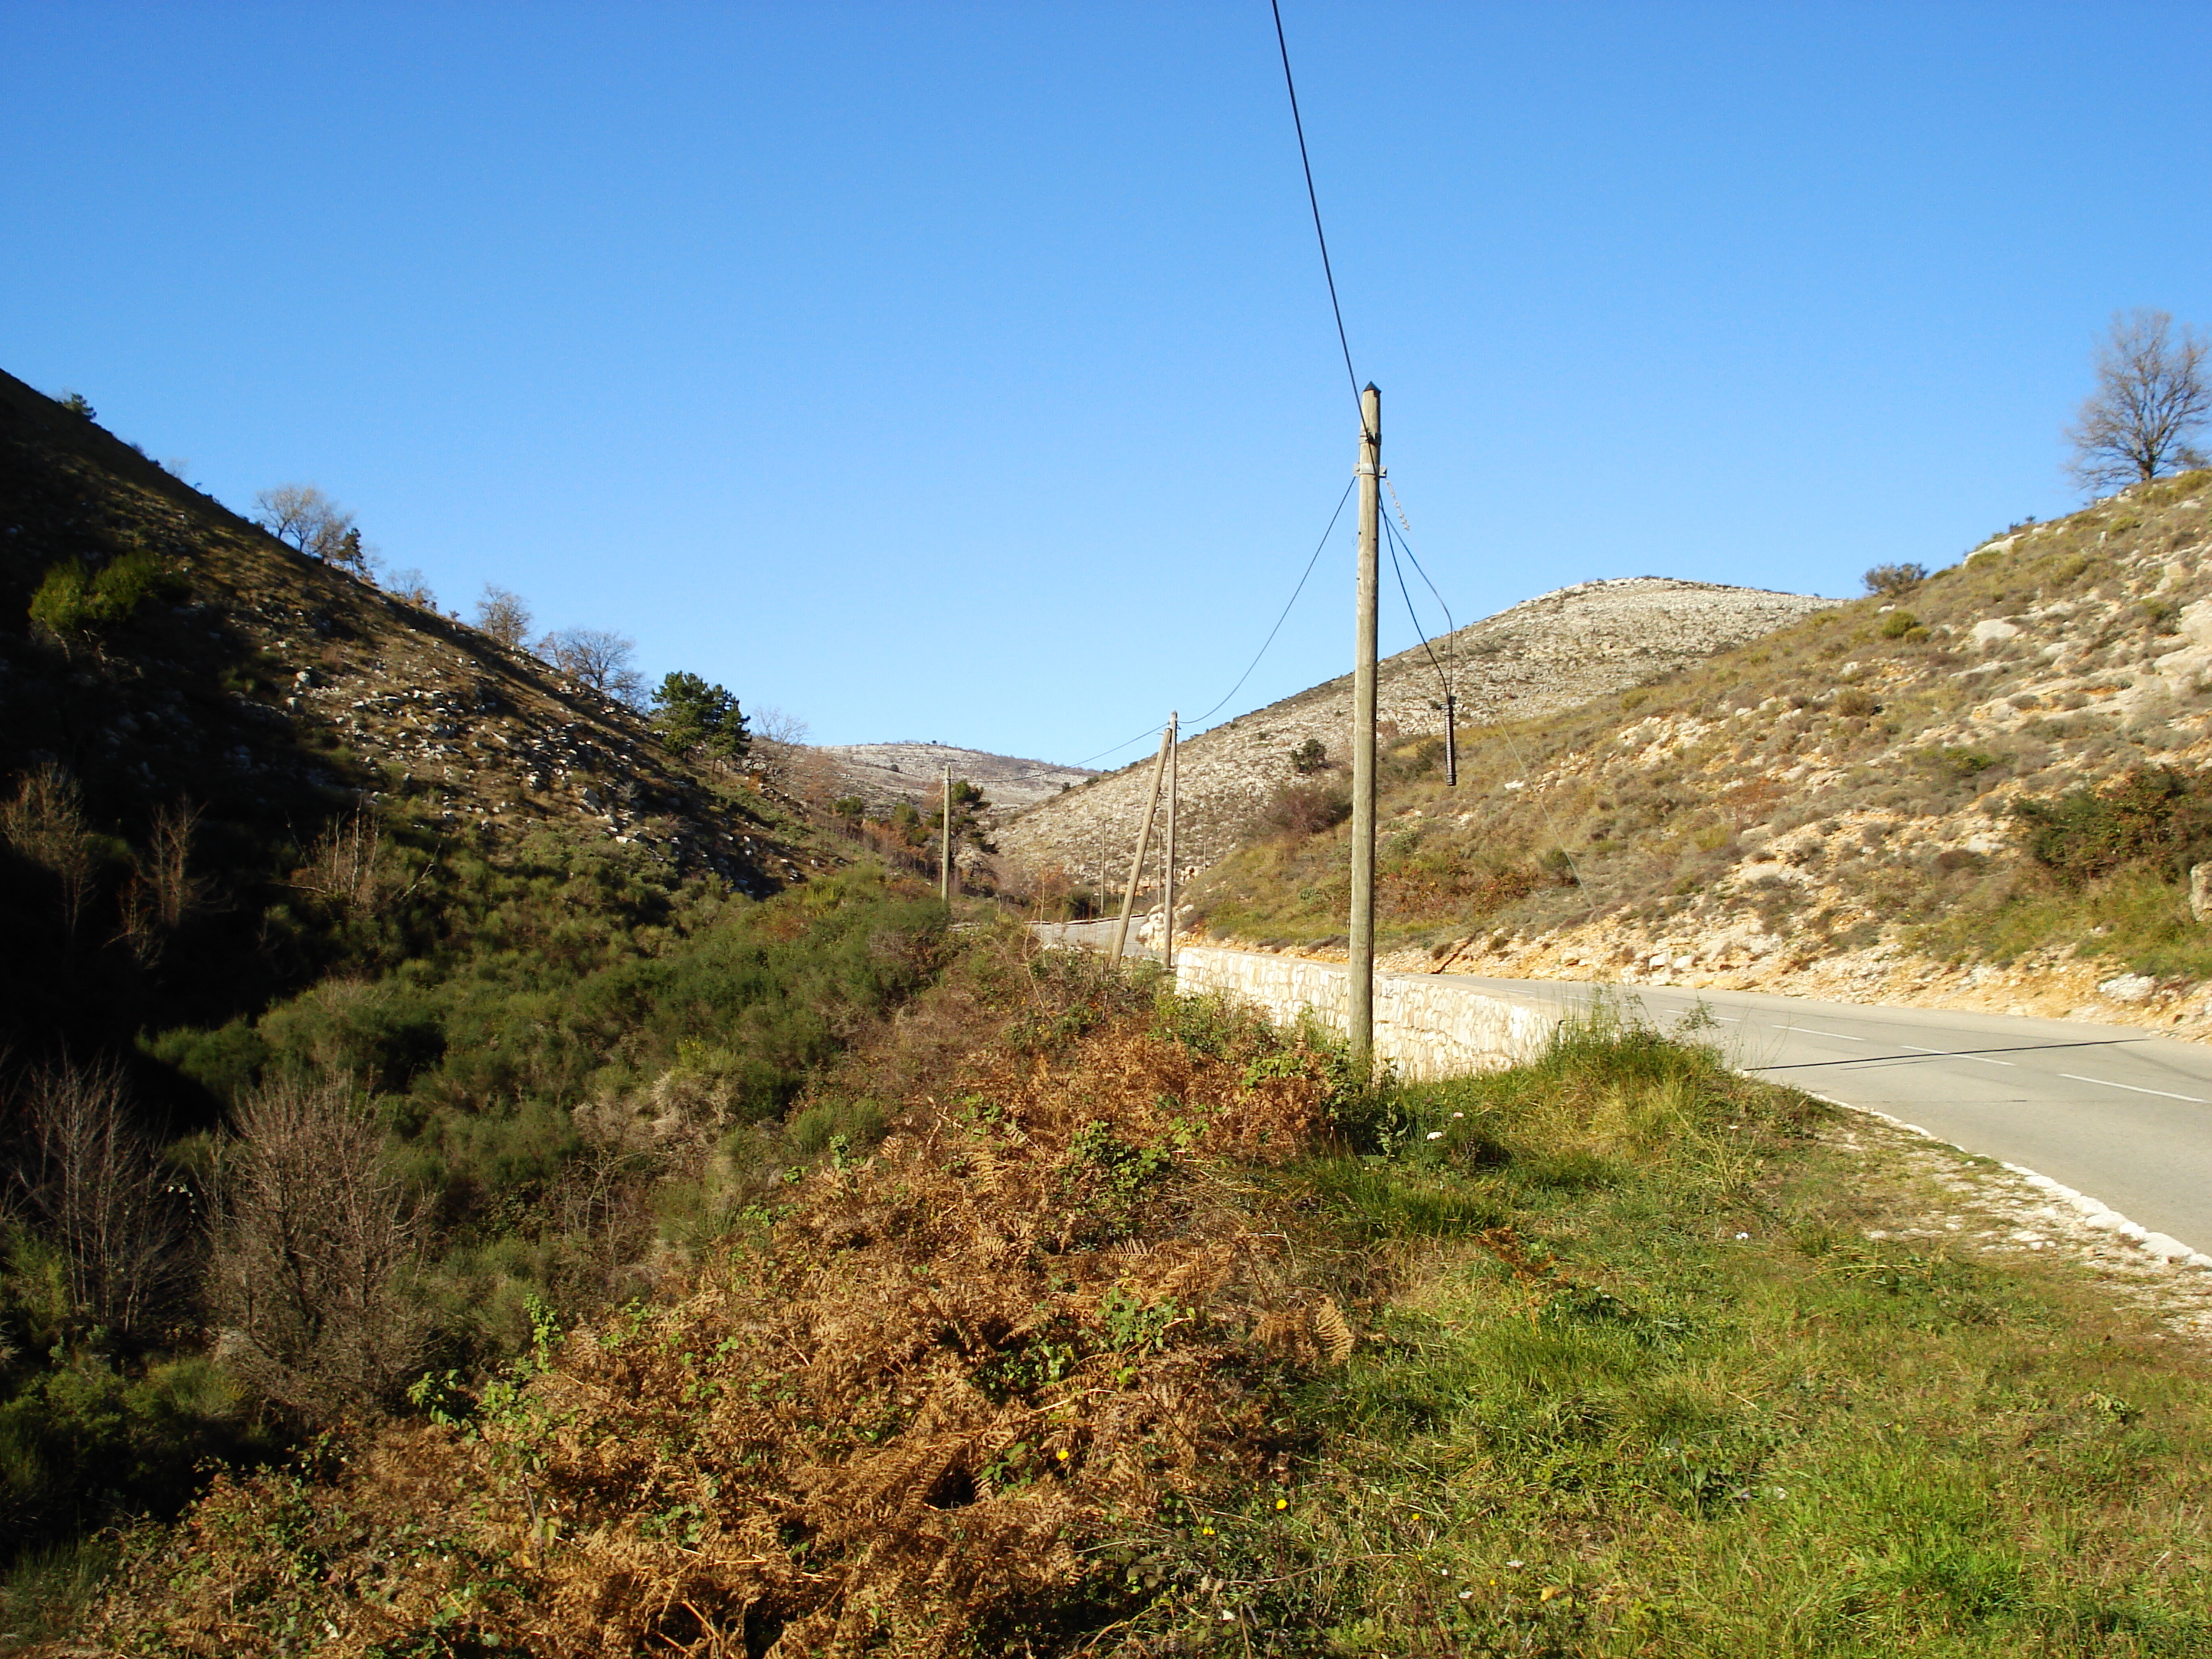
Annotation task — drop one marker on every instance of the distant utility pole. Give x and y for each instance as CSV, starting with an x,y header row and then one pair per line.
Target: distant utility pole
x,y
1143,845
1361,1012
1167,938
1451,741
944,852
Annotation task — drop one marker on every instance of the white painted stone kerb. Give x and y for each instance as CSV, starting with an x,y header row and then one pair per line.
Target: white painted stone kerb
x,y
1426,1025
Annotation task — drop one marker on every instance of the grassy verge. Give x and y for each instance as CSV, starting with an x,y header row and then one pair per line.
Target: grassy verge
x,y
1646,1386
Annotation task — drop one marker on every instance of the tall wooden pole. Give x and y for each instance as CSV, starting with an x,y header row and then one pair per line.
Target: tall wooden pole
x,y
1361,1012
944,852
1451,741
1143,845
1168,904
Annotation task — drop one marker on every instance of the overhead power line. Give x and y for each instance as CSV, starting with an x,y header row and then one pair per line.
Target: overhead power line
x,y
1313,198
1293,599
1444,679
1285,615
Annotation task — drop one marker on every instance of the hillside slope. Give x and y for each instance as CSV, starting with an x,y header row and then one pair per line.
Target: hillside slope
x,y
261,699
1551,652
1837,809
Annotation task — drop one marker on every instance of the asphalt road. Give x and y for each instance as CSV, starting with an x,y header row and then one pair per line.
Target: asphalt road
x,y
2114,1112
2111,1111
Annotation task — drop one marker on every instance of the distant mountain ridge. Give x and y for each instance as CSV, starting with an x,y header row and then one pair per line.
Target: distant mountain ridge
x,y
882,773
1553,652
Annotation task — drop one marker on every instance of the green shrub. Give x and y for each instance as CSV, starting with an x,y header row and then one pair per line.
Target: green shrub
x,y
74,598
2153,816
1898,624
81,1440
226,1062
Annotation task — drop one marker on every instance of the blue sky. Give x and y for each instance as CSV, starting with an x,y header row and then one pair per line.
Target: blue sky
x,y
964,372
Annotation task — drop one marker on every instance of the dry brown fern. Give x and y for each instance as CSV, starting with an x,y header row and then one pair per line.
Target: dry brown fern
x,y
1041,1310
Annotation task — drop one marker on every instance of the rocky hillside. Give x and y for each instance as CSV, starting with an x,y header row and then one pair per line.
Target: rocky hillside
x,y
880,774
192,671
1549,653
1984,789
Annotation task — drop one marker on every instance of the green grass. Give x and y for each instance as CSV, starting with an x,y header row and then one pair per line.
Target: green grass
x,y
43,1591
1644,1386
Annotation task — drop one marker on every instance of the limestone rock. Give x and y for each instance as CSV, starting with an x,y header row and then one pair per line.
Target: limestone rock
x,y
1994,631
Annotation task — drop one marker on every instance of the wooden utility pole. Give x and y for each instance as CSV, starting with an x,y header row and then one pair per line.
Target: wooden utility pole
x,y
1451,741
1168,903
1143,845
1361,1011
944,852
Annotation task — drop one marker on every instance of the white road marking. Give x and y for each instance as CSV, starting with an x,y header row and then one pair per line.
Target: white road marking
x,y
1978,1059
1807,1030
2106,1083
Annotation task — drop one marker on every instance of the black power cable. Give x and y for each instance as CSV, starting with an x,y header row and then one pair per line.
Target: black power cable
x,y
1285,617
1304,576
1391,531
1314,198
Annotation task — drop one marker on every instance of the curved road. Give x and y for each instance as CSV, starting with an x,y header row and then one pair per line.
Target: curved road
x,y
2112,1111
2118,1114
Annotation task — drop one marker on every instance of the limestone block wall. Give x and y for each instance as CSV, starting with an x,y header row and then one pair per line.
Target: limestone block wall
x,y
1428,1026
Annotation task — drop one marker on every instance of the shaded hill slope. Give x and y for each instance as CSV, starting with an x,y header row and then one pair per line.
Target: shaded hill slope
x,y
1547,653
236,732
1983,791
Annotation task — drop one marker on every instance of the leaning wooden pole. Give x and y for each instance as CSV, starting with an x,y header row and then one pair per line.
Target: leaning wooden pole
x,y
1360,1013
944,849
1143,845
1168,845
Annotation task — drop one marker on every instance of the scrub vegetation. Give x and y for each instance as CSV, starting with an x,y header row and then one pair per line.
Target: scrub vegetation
x,y
1141,1330
1999,757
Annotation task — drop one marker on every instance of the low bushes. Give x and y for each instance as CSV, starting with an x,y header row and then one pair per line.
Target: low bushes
x,y
2152,816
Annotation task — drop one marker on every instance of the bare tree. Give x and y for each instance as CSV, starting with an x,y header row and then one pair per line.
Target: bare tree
x,y
45,823
313,1232
352,864
304,517
779,743
599,658
412,586
163,891
2152,396
504,616
98,1192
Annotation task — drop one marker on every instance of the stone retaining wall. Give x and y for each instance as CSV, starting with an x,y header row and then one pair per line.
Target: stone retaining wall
x,y
1427,1025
